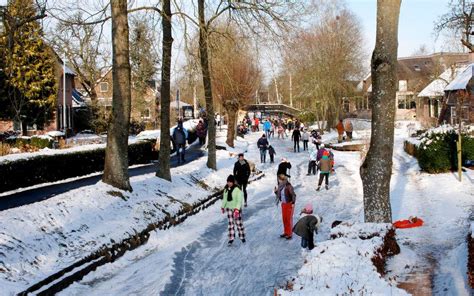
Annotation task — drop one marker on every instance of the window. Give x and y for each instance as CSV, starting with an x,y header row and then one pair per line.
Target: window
x,y
402,85
417,68
104,87
464,114
146,113
402,101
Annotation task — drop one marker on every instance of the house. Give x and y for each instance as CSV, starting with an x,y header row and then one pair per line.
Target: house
x,y
415,74
459,98
59,121
143,106
432,96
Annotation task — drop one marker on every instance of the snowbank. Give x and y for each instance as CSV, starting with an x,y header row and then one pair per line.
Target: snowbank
x,y
155,134
344,265
40,239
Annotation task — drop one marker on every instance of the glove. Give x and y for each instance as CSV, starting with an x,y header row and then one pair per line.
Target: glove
x,y
222,210
236,214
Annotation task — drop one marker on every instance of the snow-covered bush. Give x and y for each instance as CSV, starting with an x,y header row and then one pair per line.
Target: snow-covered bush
x,y
437,150
26,172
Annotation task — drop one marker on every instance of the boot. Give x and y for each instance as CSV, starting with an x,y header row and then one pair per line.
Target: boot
x,y
319,188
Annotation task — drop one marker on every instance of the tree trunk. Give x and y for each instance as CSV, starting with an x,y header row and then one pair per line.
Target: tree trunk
x,y
165,149
231,124
376,170
206,79
116,152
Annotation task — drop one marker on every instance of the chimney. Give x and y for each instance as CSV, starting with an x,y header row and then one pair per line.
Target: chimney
x,y
471,57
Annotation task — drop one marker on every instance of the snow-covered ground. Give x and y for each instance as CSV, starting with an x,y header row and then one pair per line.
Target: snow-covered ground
x,y
194,259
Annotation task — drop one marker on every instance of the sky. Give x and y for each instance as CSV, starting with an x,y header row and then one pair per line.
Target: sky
x,y
416,23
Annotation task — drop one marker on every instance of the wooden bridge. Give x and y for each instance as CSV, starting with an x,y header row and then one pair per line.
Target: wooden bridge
x,y
273,109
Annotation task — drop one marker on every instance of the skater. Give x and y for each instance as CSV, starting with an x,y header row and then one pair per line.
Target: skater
x,y
305,138
349,128
179,139
257,124
232,205
281,132
307,226
272,131
313,152
242,175
263,146
267,126
286,195
201,132
284,168
271,152
325,169
296,138
340,131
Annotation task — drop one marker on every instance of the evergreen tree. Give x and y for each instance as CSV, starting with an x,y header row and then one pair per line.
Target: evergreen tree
x,y
29,88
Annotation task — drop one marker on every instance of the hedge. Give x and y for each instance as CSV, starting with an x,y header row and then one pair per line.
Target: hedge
x,y
50,168
437,151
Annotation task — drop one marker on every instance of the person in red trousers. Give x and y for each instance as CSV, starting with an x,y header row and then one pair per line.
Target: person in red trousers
x,y
286,194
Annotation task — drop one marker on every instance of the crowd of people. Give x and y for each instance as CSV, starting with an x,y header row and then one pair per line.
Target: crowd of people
x,y
320,159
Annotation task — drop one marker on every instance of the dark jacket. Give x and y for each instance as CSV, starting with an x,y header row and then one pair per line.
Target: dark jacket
x,y
179,137
201,130
283,168
306,226
271,150
296,135
242,171
262,143
289,193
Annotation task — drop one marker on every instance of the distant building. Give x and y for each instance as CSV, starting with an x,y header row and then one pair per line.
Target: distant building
x,y
414,75
143,107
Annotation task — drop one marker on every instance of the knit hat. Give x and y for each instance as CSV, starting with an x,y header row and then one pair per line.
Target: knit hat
x,y
308,209
231,178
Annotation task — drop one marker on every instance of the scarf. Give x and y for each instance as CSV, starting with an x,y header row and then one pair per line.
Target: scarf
x,y
242,162
229,192
282,186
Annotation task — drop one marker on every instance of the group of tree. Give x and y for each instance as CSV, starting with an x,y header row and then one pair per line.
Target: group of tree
x,y
321,60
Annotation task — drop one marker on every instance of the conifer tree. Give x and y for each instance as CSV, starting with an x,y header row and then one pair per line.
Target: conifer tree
x,y
28,90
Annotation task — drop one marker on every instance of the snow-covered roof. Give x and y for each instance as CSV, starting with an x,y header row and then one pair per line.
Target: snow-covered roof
x,y
173,104
437,86
461,80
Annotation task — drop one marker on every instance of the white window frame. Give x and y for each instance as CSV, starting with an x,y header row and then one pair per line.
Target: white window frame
x,y
106,89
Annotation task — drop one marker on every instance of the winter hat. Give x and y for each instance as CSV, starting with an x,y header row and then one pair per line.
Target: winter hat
x,y
308,209
284,159
231,178
322,146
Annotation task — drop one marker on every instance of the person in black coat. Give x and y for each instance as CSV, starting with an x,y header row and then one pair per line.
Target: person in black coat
x,y
284,168
307,226
179,139
263,144
242,174
296,136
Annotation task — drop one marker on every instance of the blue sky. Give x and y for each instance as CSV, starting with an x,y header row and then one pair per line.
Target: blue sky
x,y
416,24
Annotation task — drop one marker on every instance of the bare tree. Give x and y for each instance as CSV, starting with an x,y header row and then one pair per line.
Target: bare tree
x,y
459,20
116,152
376,171
83,48
235,74
165,149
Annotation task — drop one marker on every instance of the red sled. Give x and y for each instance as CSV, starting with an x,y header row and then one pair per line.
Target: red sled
x,y
411,223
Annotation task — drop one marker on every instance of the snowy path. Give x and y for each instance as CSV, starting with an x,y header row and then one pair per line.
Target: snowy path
x,y
433,257
194,259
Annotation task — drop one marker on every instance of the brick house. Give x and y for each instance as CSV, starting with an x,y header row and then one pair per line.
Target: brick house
x,y
57,122
414,74
143,107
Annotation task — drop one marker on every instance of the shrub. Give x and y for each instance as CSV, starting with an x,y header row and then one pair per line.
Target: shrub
x,y
41,142
437,152
49,168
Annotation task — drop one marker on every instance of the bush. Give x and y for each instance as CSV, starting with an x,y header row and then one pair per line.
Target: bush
x,y
41,142
51,168
437,152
